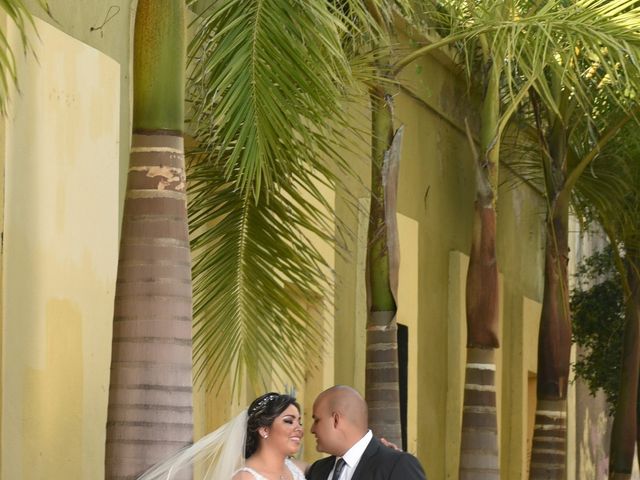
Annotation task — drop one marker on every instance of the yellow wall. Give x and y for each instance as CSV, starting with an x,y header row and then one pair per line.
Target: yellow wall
x,y
436,198
60,255
62,157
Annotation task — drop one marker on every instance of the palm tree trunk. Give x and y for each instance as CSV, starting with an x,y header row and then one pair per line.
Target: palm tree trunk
x,y
479,454
382,376
554,348
150,395
623,433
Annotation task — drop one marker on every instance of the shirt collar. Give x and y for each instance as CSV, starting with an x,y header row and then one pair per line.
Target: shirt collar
x,y
352,456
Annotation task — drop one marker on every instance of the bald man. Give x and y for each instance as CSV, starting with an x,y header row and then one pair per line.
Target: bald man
x,y
340,425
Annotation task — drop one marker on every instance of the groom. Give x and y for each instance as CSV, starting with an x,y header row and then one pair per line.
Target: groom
x,y
340,425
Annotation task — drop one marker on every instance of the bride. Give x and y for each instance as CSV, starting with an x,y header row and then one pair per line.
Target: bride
x,y
256,445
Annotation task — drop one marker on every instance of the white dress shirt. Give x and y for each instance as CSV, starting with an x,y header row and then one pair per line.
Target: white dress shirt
x,y
352,457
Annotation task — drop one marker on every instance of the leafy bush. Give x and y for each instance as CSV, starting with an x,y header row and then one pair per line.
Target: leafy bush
x,y
597,304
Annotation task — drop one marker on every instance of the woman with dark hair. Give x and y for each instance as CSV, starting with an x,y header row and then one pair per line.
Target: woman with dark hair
x,y
274,433
256,445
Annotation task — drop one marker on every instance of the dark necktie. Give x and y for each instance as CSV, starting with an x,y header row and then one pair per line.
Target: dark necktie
x,y
340,463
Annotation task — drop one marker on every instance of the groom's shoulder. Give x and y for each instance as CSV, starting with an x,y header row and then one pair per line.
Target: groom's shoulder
x,y
381,450
398,461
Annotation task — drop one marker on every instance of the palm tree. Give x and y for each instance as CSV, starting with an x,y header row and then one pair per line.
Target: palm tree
x,y
618,214
571,131
150,394
267,88
563,165
486,34
509,49
592,186
265,79
625,428
382,388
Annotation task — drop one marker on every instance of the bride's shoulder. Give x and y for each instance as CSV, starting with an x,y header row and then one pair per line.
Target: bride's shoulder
x,y
297,467
243,475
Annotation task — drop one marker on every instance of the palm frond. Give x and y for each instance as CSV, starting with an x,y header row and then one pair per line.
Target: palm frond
x,y
522,155
17,12
617,209
589,45
266,77
257,276
586,45
268,84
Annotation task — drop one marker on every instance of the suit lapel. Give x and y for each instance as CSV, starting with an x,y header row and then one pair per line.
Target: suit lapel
x,y
324,467
364,464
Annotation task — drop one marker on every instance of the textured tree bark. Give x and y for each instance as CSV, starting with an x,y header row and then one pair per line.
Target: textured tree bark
x,y
382,390
624,430
479,456
479,451
548,457
549,440
482,280
150,394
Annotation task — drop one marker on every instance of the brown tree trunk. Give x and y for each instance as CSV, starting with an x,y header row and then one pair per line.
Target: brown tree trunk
x,y
382,389
482,280
548,457
479,452
623,433
479,455
150,397
150,402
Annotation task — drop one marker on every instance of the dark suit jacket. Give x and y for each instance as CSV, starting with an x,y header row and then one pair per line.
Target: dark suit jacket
x,y
377,463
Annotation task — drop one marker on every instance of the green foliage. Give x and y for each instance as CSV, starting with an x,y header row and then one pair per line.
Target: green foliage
x,y
267,87
266,76
21,18
597,303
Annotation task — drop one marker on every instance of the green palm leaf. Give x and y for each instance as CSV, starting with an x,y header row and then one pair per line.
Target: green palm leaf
x,y
584,44
267,75
21,18
268,84
256,276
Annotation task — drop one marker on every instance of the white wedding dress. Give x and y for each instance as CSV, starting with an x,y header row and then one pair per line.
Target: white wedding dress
x,y
296,473
216,456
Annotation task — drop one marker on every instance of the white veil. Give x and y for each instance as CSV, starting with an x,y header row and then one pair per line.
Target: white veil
x,y
215,456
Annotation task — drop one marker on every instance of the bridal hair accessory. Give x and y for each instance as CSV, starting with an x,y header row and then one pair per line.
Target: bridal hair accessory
x,y
262,404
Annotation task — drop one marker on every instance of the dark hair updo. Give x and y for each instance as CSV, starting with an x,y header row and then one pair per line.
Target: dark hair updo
x,y
261,413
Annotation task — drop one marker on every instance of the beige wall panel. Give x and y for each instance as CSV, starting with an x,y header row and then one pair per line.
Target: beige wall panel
x,y
61,227
520,354
456,357
360,321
